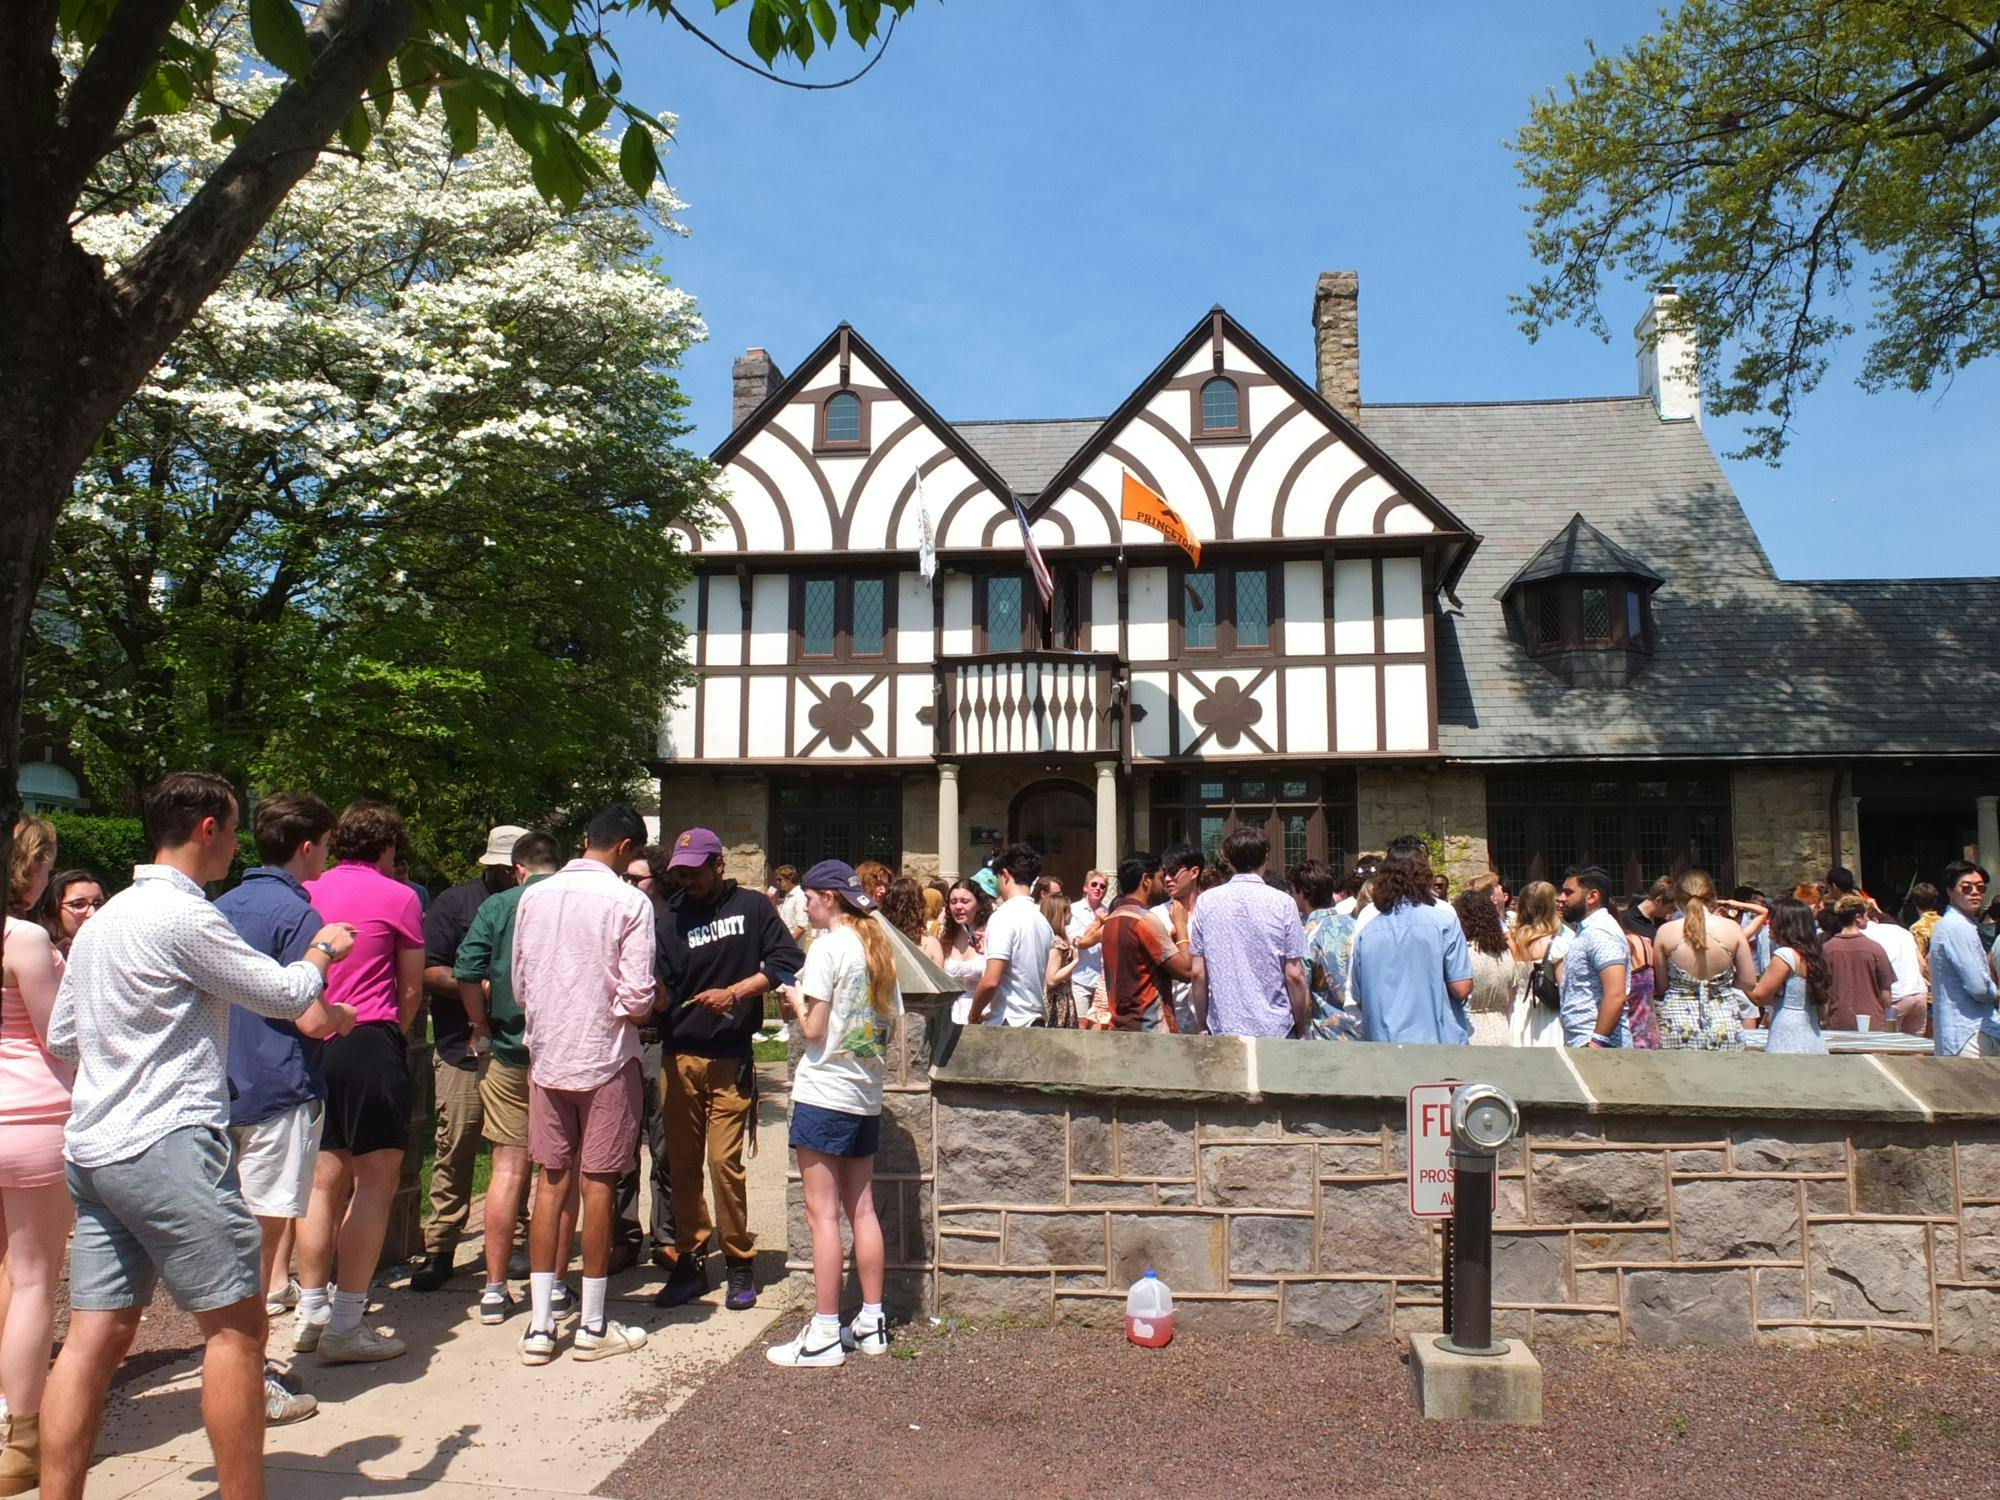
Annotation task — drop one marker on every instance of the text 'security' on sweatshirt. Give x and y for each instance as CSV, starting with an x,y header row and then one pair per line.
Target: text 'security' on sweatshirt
x,y
710,946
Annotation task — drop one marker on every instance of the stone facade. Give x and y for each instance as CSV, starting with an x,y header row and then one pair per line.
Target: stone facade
x,y
1780,816
1448,801
1652,1199
735,805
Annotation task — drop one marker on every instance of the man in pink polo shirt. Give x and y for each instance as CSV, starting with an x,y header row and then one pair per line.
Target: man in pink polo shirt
x,y
583,972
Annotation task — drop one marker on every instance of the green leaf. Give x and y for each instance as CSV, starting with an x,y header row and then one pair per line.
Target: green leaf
x,y
799,38
594,113
166,92
384,90
280,36
638,159
862,17
356,131
823,19
767,30
461,115
529,51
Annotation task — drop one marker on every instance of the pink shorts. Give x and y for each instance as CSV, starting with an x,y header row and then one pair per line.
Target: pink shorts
x,y
31,1156
596,1130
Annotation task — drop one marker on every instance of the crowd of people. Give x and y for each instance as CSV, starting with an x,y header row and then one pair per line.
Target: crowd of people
x,y
208,1093
1385,951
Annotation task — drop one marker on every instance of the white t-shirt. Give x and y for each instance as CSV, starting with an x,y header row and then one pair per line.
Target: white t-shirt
x,y
792,912
1902,950
844,1072
1018,933
1182,990
1089,961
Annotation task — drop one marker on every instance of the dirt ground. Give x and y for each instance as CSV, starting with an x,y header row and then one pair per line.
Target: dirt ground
x,y
1071,1412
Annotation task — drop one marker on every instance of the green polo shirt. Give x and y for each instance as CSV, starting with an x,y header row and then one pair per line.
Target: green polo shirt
x,y
488,953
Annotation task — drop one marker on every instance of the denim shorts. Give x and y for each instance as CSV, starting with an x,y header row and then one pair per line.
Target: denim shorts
x,y
833,1132
175,1213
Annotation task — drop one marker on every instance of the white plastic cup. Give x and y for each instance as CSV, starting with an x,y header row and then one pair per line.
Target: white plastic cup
x,y
1861,1022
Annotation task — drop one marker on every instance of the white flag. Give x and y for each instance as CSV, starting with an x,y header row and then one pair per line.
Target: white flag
x,y
926,540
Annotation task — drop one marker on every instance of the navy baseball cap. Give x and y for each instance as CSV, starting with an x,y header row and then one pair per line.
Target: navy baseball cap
x,y
838,875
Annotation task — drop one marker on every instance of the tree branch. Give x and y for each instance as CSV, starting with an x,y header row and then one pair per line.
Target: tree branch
x,y
107,83
163,286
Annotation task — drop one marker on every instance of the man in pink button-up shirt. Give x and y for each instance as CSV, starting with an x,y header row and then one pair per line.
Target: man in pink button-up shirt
x,y
583,972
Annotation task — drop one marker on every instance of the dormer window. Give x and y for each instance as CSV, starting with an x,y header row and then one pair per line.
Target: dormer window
x,y
1583,608
1221,408
843,421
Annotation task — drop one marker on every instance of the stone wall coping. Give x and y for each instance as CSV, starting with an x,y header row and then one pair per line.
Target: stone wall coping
x,y
1895,1088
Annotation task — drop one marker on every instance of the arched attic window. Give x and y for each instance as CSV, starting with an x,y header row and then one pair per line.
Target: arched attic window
x,y
1583,608
843,421
1220,411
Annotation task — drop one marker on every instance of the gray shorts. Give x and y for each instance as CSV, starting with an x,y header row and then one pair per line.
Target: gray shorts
x,y
175,1212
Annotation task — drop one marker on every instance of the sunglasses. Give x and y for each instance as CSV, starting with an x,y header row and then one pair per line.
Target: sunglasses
x,y
638,879
1972,887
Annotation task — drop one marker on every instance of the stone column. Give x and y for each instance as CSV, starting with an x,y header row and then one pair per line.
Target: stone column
x,y
1850,828
1989,831
1107,817
950,836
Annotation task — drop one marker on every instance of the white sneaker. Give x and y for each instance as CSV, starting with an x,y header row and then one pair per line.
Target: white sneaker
x,y
861,1338
282,1406
284,1301
359,1346
617,1338
802,1351
305,1338
538,1346
495,1302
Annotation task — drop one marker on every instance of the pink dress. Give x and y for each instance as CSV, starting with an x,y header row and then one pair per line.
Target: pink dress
x,y
34,1089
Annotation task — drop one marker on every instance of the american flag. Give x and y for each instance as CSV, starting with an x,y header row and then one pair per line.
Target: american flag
x,y
1045,583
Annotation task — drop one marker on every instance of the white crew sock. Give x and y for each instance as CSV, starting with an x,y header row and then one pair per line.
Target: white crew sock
x,y
871,1313
541,1294
313,1304
825,1326
347,1310
496,1286
594,1288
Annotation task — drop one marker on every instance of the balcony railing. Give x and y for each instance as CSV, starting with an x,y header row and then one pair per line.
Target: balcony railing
x,y
1030,702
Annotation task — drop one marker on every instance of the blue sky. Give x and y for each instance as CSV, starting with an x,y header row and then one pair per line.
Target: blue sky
x,y
1029,201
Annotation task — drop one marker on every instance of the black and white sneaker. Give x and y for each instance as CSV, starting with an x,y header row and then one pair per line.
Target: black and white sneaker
x,y
803,1350
862,1337
495,1302
562,1302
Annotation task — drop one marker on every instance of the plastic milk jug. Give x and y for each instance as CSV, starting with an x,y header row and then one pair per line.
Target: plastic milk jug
x,y
1149,1312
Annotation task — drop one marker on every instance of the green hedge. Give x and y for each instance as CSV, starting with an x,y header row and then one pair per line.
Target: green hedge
x,y
109,847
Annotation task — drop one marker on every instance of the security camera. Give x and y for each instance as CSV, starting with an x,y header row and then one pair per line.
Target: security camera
x,y
1483,1118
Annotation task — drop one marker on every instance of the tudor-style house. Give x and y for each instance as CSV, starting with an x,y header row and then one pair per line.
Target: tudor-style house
x,y
1543,631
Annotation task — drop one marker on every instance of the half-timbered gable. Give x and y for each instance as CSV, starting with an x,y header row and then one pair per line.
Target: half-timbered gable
x,y
1346,659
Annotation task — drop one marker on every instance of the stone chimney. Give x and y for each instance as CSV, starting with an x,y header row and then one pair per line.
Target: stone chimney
x,y
1667,372
756,376
1337,340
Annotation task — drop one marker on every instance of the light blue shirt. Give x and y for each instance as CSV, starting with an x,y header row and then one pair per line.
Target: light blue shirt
x,y
1962,987
1599,945
1402,962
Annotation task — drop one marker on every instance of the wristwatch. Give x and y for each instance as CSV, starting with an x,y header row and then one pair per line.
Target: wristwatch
x,y
327,948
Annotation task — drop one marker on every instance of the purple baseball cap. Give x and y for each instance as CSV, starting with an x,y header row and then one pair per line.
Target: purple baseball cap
x,y
838,875
695,847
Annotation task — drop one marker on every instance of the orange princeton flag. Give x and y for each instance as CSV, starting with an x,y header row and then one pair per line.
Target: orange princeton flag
x,y
1148,507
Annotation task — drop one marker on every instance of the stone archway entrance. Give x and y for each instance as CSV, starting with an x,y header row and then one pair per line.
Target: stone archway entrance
x,y
1058,819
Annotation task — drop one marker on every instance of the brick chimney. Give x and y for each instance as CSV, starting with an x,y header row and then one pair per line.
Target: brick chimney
x,y
1337,340
1667,371
756,375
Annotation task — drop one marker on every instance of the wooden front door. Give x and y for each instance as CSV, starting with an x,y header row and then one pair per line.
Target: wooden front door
x,y
1057,819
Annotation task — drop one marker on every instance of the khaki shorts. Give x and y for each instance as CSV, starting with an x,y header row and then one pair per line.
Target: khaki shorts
x,y
503,1102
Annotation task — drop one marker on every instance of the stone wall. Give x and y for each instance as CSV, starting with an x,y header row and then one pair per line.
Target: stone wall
x,y
1448,801
1653,1198
1780,816
735,805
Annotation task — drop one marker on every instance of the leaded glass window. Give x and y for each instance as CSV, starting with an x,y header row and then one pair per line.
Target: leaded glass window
x,y
1198,611
870,597
820,618
1219,406
1253,607
843,418
1004,616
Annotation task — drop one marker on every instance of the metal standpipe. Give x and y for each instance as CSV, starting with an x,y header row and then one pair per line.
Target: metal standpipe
x,y
1469,1315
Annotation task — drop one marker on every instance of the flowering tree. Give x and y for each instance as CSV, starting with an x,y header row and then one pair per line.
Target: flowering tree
x,y
78,335
391,515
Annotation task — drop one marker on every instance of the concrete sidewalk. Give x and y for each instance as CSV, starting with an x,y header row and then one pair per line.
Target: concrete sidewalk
x,y
460,1416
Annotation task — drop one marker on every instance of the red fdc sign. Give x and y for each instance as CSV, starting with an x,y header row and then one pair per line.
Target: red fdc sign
x,y
1429,1133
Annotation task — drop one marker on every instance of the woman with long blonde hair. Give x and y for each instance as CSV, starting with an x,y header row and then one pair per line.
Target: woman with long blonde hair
x,y
35,1208
846,1004
1538,944
1701,964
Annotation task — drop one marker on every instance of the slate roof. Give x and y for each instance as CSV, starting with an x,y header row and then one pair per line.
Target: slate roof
x,y
1745,664
1580,550
1027,453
